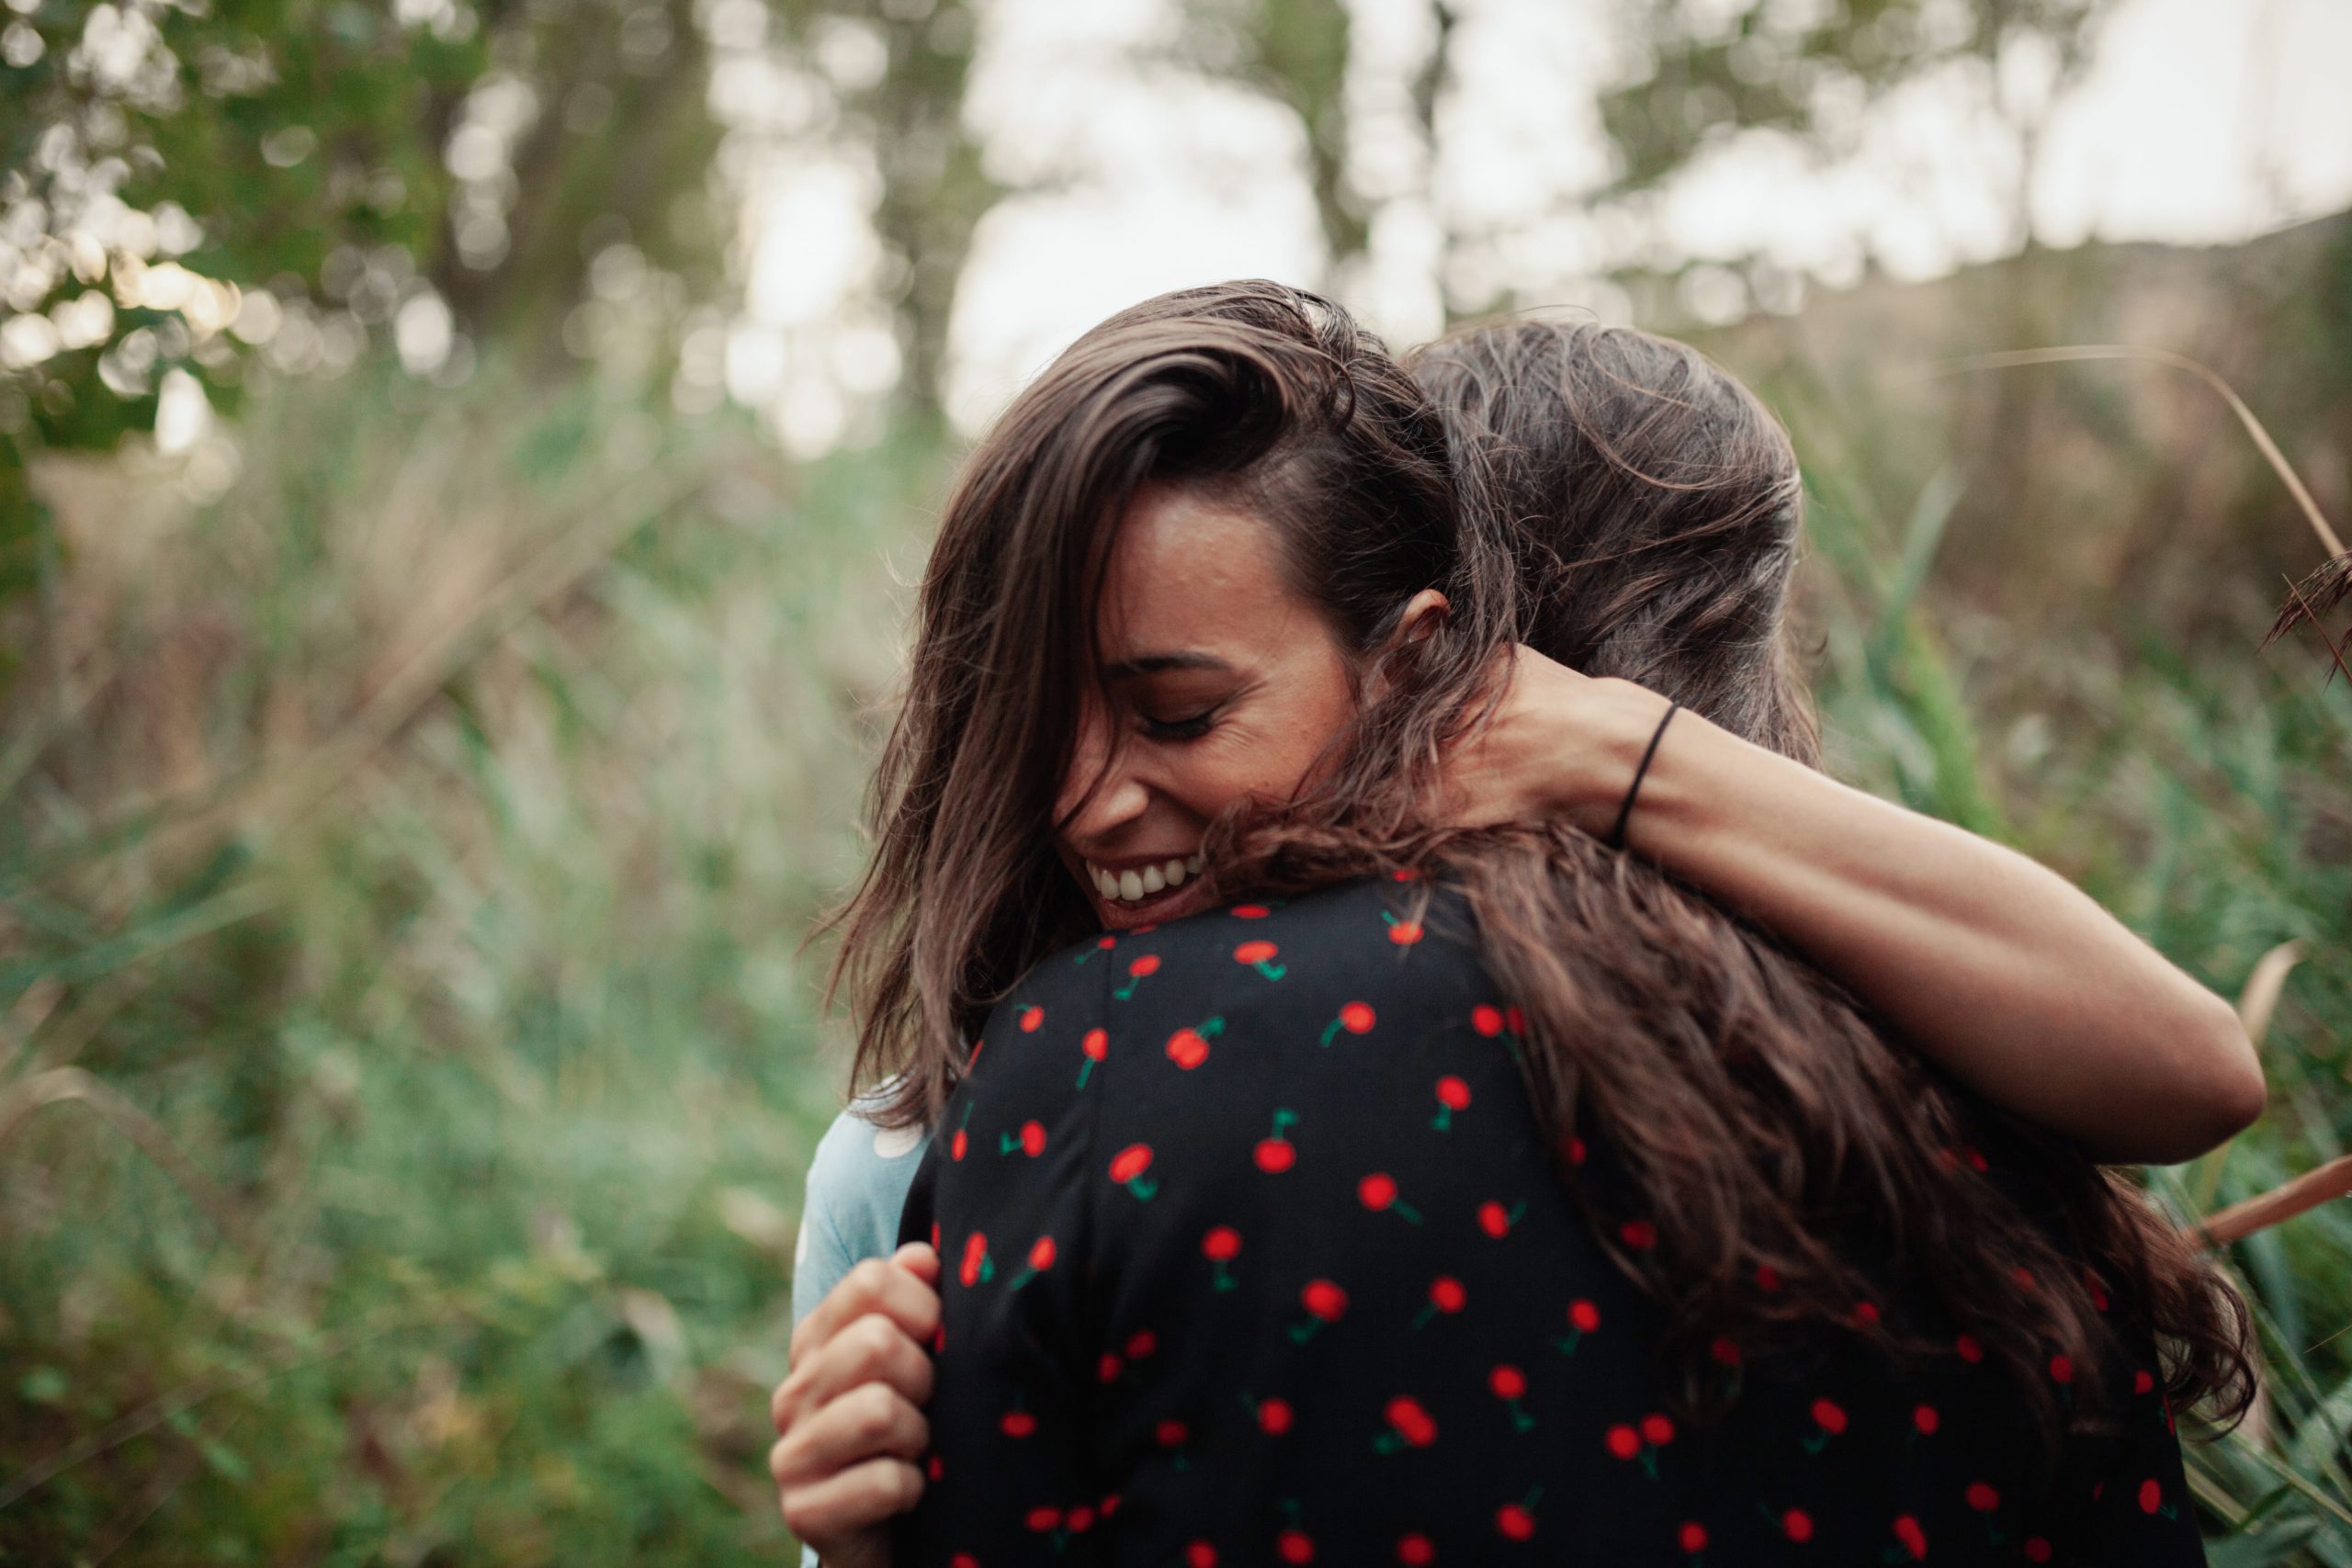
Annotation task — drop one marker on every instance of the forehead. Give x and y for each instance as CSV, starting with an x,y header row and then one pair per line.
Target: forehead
x,y
1191,573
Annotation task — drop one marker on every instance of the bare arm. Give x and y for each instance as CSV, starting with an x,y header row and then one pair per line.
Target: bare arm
x,y
1995,966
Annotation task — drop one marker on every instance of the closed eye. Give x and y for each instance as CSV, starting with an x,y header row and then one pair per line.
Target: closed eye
x,y
1190,728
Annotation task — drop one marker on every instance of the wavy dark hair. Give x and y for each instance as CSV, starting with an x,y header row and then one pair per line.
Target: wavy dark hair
x,y
1628,508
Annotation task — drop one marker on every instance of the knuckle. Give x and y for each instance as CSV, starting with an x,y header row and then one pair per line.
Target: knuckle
x,y
905,1487
874,1414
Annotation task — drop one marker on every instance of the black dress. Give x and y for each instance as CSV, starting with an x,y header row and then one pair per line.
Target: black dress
x,y
1252,1252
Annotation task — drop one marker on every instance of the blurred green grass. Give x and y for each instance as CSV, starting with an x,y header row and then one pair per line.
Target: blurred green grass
x,y
417,841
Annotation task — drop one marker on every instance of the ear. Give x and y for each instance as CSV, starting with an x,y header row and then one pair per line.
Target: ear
x,y
1425,613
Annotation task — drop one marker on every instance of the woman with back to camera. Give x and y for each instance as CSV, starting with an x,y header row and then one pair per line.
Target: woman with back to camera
x,y
1644,633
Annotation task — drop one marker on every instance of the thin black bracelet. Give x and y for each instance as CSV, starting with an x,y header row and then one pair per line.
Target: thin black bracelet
x,y
1625,812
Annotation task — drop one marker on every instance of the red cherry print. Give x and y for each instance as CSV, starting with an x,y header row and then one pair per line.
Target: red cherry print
x,y
975,1259
1249,911
1724,1349
1109,1368
1766,1277
1018,1424
939,1340
1097,1044
1914,1539
963,1560
1139,969
1657,1429
2097,1288
1797,1525
1259,955
1623,1441
1514,1020
956,1145
1446,1295
1127,1167
2062,1369
1405,933
1576,1151
1294,1546
1169,1434
1865,1315
1200,1554
2142,1383
1452,1093
1324,1302
1357,1017
1041,1256
1639,1235
2151,1496
1410,1422
1829,1416
1584,1314
1081,1518
1187,1049
1376,1190
1982,1498
1925,1420
1404,873
1508,1383
1044,1519
935,1235
1274,1417
1515,1522
2022,1275
1221,1243
1487,1020
1031,1017
1032,1139
1142,1343
1496,1219
1693,1536
2036,1549
1415,1550
1970,1350
1274,1152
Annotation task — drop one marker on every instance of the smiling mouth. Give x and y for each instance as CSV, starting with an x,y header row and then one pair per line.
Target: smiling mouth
x,y
1135,884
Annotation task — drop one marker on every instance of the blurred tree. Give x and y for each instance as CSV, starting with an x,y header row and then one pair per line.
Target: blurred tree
x,y
1811,71
1296,52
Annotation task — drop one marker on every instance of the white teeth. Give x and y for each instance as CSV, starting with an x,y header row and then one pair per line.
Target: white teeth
x,y
1175,872
1105,882
1130,887
1193,864
1152,879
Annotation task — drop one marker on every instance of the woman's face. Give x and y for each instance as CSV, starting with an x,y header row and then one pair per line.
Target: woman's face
x,y
1223,684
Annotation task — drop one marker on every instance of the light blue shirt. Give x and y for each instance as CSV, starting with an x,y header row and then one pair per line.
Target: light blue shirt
x,y
848,1212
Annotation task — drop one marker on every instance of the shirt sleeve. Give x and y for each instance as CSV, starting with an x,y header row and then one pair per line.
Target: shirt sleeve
x,y
1005,1180
856,1185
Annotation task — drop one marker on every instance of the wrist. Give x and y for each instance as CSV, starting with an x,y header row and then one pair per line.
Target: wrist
x,y
1619,719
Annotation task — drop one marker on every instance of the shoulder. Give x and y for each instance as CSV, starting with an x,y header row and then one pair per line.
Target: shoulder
x,y
1366,936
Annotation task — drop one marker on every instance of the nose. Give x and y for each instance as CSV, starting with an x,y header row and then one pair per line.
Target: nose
x,y
1118,799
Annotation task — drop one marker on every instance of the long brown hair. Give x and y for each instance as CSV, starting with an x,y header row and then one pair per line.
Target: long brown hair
x,y
1631,511
1258,393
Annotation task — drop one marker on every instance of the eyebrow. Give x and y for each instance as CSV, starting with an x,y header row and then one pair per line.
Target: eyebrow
x,y
1161,663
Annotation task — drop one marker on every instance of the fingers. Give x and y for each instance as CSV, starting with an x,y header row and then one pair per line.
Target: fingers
x,y
827,1515
873,1286
918,1259
848,1463
873,1349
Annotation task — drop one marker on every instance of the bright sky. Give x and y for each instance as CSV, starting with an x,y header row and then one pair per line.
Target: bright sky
x,y
2199,121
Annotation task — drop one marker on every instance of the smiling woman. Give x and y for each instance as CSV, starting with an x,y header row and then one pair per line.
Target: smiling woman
x,y
1221,687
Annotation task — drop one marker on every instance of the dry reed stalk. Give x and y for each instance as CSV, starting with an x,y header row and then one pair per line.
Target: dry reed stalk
x,y
2305,1193
60,1085
2326,586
